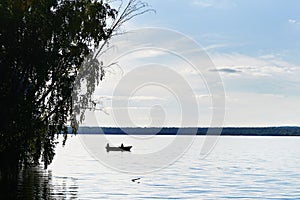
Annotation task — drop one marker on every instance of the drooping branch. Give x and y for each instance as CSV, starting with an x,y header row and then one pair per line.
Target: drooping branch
x,y
132,9
93,69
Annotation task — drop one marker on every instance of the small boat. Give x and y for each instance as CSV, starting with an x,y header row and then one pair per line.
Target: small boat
x,y
120,148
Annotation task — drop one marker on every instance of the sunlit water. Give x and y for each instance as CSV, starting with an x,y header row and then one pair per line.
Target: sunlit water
x,y
238,167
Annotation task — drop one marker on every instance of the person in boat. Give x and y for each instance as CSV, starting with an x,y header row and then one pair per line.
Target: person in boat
x,y
122,145
107,145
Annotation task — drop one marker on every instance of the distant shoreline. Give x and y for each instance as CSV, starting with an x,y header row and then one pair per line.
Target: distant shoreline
x,y
226,131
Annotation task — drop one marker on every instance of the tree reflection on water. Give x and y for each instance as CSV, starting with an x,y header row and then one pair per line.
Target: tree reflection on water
x,y
37,183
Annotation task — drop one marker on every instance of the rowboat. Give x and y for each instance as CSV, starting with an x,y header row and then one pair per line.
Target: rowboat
x,y
120,148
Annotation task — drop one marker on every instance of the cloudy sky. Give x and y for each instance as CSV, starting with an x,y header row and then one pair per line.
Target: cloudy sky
x,y
254,48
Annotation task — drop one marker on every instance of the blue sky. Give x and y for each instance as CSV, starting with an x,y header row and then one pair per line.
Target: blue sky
x,y
254,45
255,27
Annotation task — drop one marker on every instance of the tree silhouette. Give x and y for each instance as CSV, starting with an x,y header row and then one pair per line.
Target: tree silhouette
x,y
43,43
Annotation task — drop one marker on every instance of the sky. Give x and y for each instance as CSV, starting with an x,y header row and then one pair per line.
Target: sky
x,y
254,48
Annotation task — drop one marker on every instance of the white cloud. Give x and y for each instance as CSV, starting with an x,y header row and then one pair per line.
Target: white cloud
x,y
293,21
147,98
242,109
245,77
129,108
268,65
263,74
137,98
143,54
219,4
201,96
215,46
253,109
202,3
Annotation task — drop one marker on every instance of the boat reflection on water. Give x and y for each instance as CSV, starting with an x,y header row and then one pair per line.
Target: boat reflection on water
x,y
120,148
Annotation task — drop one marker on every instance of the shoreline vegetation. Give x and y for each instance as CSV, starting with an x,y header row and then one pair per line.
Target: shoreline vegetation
x,y
226,131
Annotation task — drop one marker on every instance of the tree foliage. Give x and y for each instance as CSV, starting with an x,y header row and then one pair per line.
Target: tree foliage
x,y
43,43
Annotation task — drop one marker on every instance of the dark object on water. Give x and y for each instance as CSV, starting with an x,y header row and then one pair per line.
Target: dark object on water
x,y
135,179
120,148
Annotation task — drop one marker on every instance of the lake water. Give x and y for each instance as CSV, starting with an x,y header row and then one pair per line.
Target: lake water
x,y
236,168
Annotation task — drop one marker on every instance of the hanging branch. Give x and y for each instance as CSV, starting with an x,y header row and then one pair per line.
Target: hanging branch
x,y
91,68
132,9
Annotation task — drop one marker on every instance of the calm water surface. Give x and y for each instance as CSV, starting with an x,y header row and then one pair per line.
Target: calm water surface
x,y
237,168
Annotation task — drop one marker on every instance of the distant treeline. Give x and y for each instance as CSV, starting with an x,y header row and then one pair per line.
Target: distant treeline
x,y
233,131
